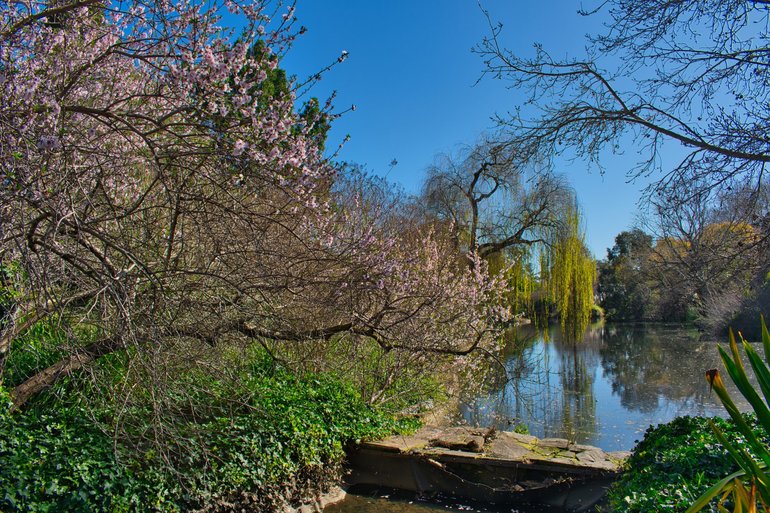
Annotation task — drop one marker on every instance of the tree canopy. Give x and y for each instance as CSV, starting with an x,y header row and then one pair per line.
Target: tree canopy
x,y
623,283
691,72
494,201
162,199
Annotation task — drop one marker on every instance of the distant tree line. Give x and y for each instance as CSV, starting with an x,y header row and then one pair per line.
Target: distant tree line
x,y
702,260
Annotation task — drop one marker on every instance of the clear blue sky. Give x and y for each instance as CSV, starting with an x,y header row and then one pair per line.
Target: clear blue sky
x,y
411,75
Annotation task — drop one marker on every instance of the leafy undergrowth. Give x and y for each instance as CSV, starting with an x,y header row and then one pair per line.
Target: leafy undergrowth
x,y
674,464
288,437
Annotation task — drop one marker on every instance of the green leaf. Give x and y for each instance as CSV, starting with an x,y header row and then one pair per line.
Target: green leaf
x,y
725,485
765,339
739,378
760,370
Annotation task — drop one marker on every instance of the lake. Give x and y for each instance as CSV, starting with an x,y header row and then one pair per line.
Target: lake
x,y
604,390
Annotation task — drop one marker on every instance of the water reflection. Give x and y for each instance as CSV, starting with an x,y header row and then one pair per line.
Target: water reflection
x,y
604,390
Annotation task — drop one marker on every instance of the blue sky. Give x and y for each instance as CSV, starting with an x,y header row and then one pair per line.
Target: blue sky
x,y
412,77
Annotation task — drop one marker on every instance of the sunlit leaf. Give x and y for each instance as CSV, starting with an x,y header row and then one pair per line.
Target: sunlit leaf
x,y
756,402
760,370
765,339
723,487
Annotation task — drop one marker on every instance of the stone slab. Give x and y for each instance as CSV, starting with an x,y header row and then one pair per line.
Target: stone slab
x,y
459,442
559,443
525,439
462,442
442,451
581,447
619,456
591,456
505,447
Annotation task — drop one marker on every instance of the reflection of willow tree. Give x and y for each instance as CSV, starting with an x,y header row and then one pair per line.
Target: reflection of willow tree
x,y
550,387
578,403
509,387
501,382
645,362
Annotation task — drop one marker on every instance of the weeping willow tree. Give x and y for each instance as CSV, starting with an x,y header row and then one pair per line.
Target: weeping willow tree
x,y
567,276
521,280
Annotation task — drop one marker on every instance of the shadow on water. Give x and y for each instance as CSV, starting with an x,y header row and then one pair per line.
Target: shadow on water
x,y
385,500
604,389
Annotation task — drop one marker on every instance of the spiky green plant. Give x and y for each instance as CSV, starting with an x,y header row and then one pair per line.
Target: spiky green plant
x,y
748,487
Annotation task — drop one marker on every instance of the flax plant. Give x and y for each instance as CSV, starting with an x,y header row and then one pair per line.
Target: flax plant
x,y
748,488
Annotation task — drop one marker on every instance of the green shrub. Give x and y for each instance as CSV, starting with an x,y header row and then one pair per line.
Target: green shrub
x,y
674,464
61,462
393,380
62,456
36,348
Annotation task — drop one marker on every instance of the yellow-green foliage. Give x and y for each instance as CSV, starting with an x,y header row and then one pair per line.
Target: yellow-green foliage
x,y
568,275
518,275
521,284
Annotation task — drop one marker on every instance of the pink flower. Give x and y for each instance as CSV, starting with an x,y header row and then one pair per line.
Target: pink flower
x,y
239,147
48,143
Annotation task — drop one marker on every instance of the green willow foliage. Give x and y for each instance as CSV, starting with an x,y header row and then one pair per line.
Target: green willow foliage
x,y
565,286
521,280
568,275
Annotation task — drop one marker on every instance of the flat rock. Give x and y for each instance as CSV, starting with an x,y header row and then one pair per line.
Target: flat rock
x,y
506,447
559,443
399,444
542,456
562,460
466,443
484,464
606,465
525,439
591,456
443,451
619,456
474,443
405,443
581,447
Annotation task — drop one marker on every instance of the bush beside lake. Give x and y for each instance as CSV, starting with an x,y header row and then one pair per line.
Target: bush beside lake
x,y
286,441
674,464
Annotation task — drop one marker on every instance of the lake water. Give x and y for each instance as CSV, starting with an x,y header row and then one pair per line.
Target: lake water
x,y
605,390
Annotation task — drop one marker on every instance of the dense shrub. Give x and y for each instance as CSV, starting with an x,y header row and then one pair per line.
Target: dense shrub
x,y
290,433
673,465
63,463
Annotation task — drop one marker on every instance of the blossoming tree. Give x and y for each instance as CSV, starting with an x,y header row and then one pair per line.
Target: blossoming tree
x,y
158,200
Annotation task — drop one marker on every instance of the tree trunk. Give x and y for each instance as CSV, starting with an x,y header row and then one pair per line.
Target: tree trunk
x,y
21,393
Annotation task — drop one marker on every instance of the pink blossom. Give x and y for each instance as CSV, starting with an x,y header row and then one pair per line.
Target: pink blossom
x,y
239,147
48,143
